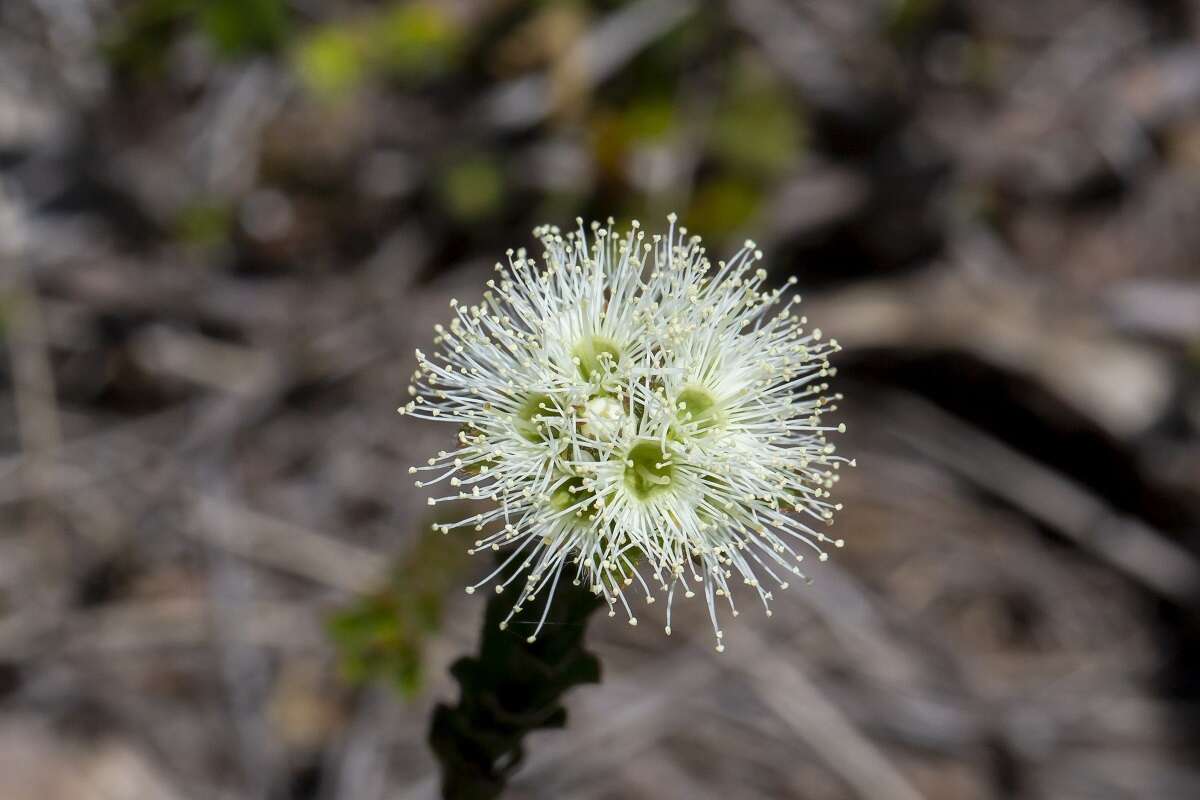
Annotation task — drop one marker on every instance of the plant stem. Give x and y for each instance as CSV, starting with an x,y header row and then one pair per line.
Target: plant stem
x,y
511,688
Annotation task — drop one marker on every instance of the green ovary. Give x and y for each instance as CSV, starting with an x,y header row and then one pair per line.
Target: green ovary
x,y
536,405
592,352
566,495
697,409
647,472
697,405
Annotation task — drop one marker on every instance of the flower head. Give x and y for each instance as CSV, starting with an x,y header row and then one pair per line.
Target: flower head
x,y
643,421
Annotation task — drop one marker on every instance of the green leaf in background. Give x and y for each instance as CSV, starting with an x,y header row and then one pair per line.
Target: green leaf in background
x,y
617,133
144,32
723,205
472,188
650,119
204,224
331,61
381,636
376,640
906,18
984,58
760,127
415,40
237,27
408,41
234,27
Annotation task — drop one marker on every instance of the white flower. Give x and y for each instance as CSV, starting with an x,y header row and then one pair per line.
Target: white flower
x,y
639,418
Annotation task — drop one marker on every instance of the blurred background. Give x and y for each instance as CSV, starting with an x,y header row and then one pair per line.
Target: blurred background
x,y
225,224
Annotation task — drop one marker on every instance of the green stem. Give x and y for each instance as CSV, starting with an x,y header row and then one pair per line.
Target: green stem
x,y
511,688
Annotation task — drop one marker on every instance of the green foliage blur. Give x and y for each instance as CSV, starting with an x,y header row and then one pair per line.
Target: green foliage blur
x,y
737,127
381,636
472,188
409,42
233,27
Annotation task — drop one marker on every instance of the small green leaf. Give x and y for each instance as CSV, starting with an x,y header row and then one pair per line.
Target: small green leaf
x,y
906,18
237,27
331,61
760,128
380,636
723,205
415,40
204,224
472,188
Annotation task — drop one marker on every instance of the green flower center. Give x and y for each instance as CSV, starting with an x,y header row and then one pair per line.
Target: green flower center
x,y
566,495
528,417
593,352
698,408
648,470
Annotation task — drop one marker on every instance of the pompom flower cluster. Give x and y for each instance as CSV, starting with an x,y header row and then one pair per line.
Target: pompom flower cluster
x,y
642,421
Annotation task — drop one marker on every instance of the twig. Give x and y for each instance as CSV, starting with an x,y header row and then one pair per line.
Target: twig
x,y
287,546
38,423
357,766
135,627
1126,543
821,724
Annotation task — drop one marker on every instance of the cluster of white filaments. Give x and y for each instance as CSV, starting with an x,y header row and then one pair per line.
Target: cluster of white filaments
x,y
641,421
